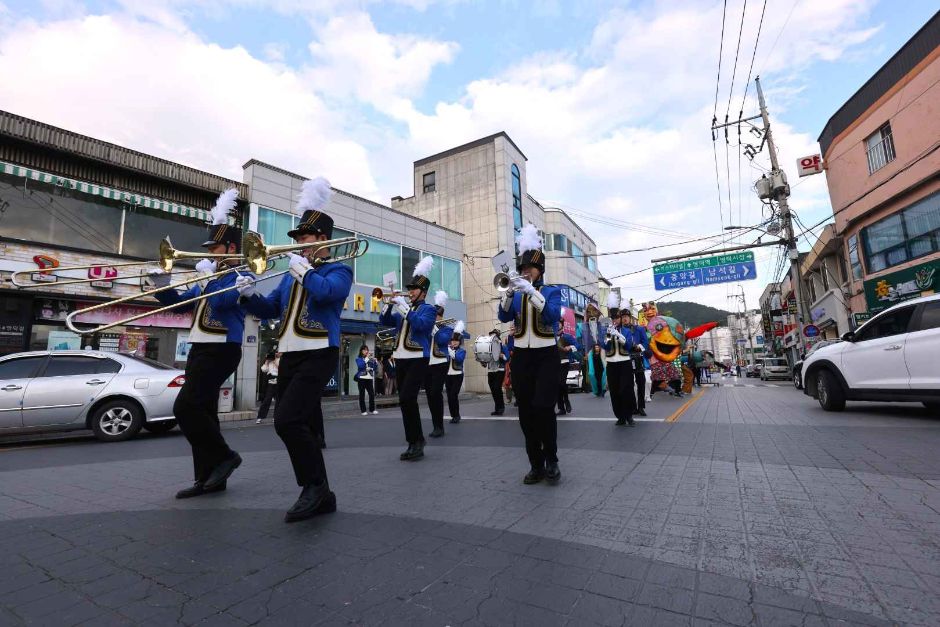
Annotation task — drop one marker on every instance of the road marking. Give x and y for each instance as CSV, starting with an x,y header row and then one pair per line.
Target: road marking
x,y
675,416
564,418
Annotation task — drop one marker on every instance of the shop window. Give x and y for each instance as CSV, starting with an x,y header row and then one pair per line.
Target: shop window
x,y
452,279
20,368
428,182
144,228
903,236
409,259
435,276
516,198
381,258
880,148
854,259
337,234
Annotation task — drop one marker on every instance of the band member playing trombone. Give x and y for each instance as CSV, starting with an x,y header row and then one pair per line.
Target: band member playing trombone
x,y
620,365
535,309
414,320
309,301
495,373
216,336
438,364
456,356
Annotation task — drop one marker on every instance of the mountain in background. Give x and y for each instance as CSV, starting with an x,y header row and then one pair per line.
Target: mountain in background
x,y
693,314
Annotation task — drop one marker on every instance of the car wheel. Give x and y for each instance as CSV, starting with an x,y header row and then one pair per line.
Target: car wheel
x,y
161,426
796,381
117,420
829,391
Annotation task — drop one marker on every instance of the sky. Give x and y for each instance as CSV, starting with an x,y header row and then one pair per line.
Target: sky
x,y
611,102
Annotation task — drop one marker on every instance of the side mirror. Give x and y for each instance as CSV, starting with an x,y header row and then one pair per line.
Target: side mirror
x,y
848,336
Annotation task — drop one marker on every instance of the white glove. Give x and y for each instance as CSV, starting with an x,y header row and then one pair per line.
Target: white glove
x,y
402,306
522,284
536,298
205,266
298,266
158,277
617,334
639,347
245,286
452,353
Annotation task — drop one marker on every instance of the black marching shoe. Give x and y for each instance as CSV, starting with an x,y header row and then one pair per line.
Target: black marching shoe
x,y
568,406
641,412
313,500
198,489
620,422
455,420
552,473
535,475
498,412
631,422
223,471
437,432
321,441
561,411
415,451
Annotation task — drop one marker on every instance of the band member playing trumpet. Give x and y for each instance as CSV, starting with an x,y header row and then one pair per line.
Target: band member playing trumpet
x,y
641,353
415,322
216,336
456,356
535,309
438,364
620,366
309,301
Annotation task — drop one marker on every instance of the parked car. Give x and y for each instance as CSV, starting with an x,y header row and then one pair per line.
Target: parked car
x,y
774,368
112,394
798,366
574,376
752,370
889,358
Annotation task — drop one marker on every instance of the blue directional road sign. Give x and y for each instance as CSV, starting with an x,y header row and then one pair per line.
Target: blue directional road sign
x,y
705,271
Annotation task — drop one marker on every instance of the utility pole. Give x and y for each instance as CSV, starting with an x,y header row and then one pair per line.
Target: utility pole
x,y
779,191
747,323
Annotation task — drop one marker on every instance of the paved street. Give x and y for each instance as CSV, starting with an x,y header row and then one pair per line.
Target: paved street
x,y
749,506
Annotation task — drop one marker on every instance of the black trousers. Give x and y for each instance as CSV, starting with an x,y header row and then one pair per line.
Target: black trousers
x,y
495,379
563,402
298,416
409,374
197,404
620,380
535,383
454,383
639,376
366,385
270,393
434,389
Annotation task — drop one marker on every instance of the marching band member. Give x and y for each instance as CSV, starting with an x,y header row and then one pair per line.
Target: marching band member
x,y
457,356
309,301
535,309
641,353
438,364
216,336
620,365
567,350
365,378
495,372
414,321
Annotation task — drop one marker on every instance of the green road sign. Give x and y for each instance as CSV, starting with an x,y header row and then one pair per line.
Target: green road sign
x,y
704,262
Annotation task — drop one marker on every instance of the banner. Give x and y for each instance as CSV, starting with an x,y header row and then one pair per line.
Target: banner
x,y
905,284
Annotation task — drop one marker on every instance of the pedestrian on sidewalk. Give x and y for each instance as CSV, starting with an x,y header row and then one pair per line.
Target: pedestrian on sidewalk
x,y
269,371
365,378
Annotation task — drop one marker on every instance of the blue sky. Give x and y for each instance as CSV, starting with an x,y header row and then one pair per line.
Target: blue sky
x,y
610,101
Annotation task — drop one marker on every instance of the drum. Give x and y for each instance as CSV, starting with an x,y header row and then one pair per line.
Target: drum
x,y
486,349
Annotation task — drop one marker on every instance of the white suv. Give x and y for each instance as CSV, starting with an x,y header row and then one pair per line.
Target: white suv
x,y
889,358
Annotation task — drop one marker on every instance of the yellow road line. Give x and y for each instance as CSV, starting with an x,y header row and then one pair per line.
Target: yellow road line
x,y
675,415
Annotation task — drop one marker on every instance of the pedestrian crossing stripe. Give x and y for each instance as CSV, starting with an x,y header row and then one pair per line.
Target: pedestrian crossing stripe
x,y
610,419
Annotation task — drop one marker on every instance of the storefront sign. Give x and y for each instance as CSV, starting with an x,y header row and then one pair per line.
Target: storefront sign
x,y
103,276
134,343
53,309
568,322
810,330
903,285
182,346
860,318
114,313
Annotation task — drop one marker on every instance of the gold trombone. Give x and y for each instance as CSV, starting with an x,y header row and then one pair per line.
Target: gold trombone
x,y
256,257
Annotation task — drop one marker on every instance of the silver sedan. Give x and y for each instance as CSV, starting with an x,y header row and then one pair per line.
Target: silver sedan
x,y
113,394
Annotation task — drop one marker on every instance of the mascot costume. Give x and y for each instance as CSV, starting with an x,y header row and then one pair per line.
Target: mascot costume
x,y
667,336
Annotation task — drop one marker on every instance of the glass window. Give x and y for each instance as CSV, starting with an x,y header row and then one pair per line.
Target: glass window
x,y
930,316
337,234
144,228
516,198
429,182
409,259
380,259
577,253
886,325
880,148
68,365
452,279
20,368
274,225
560,243
908,234
592,264
854,259
435,277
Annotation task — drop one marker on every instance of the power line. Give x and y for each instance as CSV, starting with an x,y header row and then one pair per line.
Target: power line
x,y
737,51
721,48
782,28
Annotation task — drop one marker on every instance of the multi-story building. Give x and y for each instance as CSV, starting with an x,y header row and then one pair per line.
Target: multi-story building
x,y
747,336
480,189
824,282
396,243
882,156
68,199
772,319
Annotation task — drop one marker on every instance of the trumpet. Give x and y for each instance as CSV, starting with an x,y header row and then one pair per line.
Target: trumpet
x,y
503,280
386,297
256,257
385,338
446,322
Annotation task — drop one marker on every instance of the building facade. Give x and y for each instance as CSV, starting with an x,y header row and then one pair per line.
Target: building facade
x,y
396,243
67,199
825,284
882,156
481,189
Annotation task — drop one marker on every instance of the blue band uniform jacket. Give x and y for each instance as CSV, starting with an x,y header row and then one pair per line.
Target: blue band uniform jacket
x,y
534,328
456,362
309,313
218,318
414,331
440,344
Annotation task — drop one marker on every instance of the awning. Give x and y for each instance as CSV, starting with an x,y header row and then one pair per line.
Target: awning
x,y
104,192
